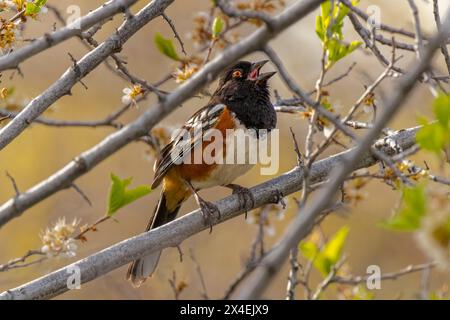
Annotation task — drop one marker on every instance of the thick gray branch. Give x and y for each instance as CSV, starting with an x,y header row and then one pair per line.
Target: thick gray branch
x,y
74,74
89,159
109,9
172,234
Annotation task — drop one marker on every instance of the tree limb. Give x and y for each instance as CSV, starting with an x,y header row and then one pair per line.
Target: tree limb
x,y
172,234
12,60
79,70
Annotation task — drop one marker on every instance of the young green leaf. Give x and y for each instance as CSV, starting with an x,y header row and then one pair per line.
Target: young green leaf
x,y
33,8
40,3
166,47
329,25
333,248
320,28
431,137
120,196
309,249
311,252
326,258
441,109
435,136
217,27
414,207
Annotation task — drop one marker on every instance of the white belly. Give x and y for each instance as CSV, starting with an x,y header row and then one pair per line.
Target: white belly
x,y
223,174
241,156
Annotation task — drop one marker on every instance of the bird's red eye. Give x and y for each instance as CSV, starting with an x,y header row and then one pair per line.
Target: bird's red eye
x,y
237,74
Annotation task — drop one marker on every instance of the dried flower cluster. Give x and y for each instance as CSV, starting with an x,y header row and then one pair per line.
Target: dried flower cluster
x,y
11,29
202,34
185,72
354,189
9,33
408,168
266,6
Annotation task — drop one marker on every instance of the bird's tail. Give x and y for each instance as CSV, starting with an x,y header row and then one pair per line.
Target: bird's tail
x,y
144,267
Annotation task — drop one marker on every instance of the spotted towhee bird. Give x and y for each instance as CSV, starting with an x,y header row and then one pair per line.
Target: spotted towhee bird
x,y
242,101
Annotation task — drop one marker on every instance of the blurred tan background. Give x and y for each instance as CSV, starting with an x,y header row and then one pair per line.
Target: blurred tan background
x,y
40,151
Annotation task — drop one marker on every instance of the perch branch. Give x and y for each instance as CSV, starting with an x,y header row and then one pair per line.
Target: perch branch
x,y
172,234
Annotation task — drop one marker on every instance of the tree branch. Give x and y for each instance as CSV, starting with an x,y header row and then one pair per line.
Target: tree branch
x,y
172,234
354,280
437,19
244,14
102,13
74,74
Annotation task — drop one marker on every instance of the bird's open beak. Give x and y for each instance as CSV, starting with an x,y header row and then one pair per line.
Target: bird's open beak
x,y
256,67
265,76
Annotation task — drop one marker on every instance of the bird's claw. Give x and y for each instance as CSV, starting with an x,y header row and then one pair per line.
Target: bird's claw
x,y
245,196
208,211
278,198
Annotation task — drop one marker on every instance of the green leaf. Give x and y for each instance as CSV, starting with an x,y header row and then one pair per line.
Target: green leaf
x,y
166,47
308,249
441,108
120,196
33,8
312,253
353,46
338,50
217,27
324,259
329,26
432,137
435,136
325,9
40,3
414,207
320,29
333,248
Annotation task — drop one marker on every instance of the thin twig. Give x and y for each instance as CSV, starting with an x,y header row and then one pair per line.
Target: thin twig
x,y
244,14
14,183
82,194
292,277
20,262
93,227
437,19
386,276
204,292
175,33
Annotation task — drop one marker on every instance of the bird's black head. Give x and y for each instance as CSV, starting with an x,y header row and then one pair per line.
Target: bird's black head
x,y
244,80
245,72
243,88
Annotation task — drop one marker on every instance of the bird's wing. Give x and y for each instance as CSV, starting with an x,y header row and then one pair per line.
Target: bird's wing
x,y
181,145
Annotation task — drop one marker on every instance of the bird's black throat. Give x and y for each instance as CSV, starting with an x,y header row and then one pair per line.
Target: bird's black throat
x,y
250,102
